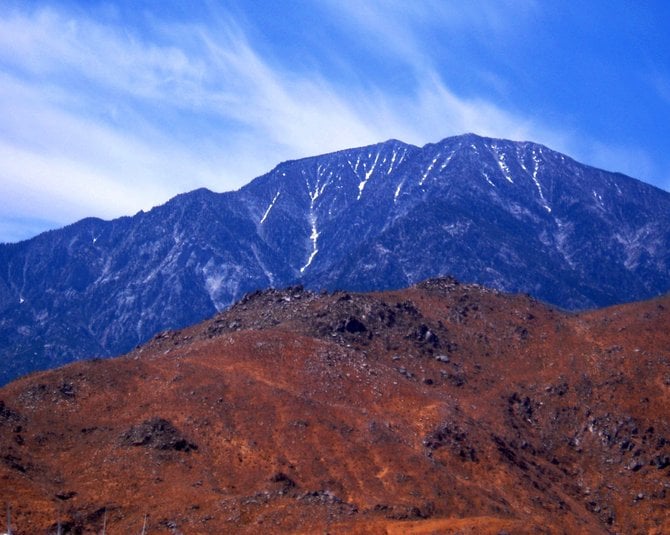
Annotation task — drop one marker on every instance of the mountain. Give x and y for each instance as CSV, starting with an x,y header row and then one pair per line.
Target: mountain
x,y
443,408
515,216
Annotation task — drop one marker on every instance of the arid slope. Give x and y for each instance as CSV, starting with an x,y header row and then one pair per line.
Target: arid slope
x,y
444,408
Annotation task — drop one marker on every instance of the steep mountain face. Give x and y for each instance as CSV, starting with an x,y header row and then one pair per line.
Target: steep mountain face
x,y
443,408
515,216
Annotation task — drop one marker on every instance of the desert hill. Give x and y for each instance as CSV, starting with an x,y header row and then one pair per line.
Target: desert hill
x,y
442,408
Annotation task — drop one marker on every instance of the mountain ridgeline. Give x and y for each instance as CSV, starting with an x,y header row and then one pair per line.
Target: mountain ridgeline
x,y
514,216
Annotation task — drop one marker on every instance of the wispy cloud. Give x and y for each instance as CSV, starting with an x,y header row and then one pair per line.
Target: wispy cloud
x,y
104,118
420,33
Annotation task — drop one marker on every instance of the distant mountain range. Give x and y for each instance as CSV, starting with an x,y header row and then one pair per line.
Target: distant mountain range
x,y
514,216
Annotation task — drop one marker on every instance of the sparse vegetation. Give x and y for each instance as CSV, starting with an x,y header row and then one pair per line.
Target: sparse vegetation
x,y
441,407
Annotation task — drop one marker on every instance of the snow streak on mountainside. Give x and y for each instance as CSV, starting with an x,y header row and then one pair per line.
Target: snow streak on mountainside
x,y
515,216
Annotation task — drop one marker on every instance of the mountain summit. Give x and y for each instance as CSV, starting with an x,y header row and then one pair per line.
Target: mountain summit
x,y
514,216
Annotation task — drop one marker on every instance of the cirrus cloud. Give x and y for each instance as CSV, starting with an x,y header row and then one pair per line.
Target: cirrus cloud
x,y
105,117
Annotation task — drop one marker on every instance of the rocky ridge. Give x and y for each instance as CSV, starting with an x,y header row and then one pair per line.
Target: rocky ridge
x,y
443,408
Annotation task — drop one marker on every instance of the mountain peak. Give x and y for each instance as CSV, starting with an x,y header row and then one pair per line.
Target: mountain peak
x,y
513,216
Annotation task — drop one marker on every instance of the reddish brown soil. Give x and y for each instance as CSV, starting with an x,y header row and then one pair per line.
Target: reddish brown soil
x,y
298,413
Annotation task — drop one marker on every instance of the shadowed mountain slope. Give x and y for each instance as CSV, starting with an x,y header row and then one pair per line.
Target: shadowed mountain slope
x,y
443,408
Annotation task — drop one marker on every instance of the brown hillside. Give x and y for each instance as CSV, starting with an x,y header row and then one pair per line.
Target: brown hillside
x,y
444,408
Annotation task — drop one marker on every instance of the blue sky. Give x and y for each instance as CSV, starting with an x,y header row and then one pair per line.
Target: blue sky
x,y
107,108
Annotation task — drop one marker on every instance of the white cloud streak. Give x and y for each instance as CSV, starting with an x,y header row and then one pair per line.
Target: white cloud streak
x,y
104,120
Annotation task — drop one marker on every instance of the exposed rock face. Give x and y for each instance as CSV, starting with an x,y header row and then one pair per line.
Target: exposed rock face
x,y
455,410
514,216
157,433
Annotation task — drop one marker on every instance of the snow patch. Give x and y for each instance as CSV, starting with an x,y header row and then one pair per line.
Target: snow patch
x,y
392,162
505,170
428,170
314,194
500,156
536,169
368,174
446,161
397,192
358,161
314,236
267,211
394,156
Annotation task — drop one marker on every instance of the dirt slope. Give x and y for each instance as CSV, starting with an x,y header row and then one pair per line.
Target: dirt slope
x,y
444,408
